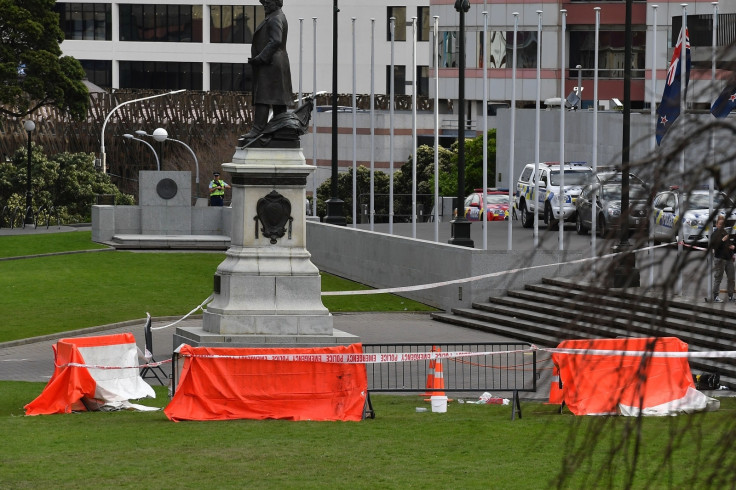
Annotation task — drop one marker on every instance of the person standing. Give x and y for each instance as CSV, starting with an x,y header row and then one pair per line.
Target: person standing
x,y
217,190
723,249
271,69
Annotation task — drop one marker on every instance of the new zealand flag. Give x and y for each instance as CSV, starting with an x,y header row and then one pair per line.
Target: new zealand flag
x,y
669,108
725,102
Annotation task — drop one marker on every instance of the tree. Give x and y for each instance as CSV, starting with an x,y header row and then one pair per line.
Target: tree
x,y
67,181
33,73
363,187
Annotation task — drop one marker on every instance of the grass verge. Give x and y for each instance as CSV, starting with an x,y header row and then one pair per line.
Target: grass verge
x,y
470,446
21,245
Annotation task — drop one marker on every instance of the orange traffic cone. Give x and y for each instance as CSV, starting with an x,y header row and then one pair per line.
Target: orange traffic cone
x,y
430,375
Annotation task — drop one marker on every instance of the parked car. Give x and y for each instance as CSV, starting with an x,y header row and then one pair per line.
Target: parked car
x,y
608,208
497,205
548,193
673,208
615,177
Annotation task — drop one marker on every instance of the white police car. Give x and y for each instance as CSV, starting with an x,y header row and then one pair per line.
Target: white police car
x,y
673,207
577,174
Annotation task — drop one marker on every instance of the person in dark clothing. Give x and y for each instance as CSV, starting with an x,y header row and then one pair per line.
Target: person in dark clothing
x,y
722,244
271,70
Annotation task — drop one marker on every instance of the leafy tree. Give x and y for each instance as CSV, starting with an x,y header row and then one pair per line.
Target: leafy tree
x,y
33,73
67,181
363,187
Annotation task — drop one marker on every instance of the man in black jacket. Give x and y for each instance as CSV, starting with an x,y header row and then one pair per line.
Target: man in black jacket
x,y
723,248
270,63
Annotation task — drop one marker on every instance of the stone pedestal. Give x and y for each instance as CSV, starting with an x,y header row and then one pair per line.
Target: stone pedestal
x,y
267,290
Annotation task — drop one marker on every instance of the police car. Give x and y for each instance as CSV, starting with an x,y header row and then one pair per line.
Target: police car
x,y
672,208
497,205
577,174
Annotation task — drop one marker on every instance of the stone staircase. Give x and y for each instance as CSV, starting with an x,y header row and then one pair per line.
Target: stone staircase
x,y
559,309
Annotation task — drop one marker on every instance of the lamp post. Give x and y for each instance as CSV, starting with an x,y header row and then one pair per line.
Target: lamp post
x,y
161,135
334,204
460,227
131,137
29,126
103,155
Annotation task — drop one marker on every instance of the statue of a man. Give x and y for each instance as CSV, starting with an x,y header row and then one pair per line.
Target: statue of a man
x,y
270,63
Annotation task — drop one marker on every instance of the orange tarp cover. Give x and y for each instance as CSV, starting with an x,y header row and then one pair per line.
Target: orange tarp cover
x,y
222,388
597,384
68,385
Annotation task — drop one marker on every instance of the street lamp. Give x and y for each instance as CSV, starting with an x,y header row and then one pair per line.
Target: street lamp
x,y
460,227
29,126
131,137
334,203
161,135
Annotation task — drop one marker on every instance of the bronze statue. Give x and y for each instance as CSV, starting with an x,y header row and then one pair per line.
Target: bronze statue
x,y
271,79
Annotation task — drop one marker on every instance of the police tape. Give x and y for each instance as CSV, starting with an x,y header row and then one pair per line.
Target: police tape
x,y
420,287
397,357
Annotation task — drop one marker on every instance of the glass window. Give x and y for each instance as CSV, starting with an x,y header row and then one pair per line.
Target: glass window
x,y
98,72
234,23
423,81
161,23
237,77
449,49
400,30
610,52
423,24
526,48
161,75
399,79
85,21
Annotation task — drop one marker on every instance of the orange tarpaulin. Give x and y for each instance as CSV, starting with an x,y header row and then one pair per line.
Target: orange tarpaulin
x,y
597,383
218,387
69,385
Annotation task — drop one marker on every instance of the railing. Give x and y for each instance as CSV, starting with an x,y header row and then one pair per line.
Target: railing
x,y
402,208
499,366
15,217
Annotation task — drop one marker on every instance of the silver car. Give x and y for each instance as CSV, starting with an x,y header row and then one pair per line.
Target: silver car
x,y
673,208
608,208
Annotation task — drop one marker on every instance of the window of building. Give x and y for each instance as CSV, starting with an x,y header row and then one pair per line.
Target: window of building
x,y
423,81
526,49
98,72
423,24
234,23
399,79
700,29
85,21
231,77
400,27
161,23
161,75
449,50
610,52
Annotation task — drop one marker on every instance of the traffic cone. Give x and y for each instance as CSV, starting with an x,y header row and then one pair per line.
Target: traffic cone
x,y
439,381
430,375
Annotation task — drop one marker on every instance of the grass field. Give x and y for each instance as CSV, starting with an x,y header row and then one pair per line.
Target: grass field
x,y
58,293
470,446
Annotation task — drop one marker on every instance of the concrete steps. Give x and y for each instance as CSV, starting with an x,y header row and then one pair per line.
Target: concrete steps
x,y
559,309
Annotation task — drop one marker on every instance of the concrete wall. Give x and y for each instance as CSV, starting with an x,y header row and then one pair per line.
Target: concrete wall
x,y
383,261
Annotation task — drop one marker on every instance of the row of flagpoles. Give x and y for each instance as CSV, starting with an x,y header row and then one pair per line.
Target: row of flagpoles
x,y
673,99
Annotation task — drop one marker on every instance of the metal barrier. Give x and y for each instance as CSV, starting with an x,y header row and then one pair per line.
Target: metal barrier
x,y
502,366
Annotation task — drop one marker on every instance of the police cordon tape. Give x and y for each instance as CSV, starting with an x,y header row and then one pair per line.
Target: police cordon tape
x,y
396,357
420,287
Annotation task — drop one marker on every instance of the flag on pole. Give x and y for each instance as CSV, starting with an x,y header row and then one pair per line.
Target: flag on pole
x,y
726,102
669,108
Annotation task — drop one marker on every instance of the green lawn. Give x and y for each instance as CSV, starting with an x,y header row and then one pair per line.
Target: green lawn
x,y
20,245
58,293
470,446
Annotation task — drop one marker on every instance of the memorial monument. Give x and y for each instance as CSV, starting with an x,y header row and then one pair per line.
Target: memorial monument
x,y
267,291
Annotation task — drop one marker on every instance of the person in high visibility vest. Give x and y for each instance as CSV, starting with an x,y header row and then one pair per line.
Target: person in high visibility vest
x,y
217,190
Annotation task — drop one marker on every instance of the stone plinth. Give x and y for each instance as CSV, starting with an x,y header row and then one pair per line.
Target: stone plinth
x,y
267,290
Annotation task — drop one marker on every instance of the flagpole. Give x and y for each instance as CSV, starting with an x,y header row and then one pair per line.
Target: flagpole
x,y
536,129
711,183
484,206
355,135
301,55
391,134
561,196
594,214
653,111
436,130
509,244
371,208
414,129
683,91
314,117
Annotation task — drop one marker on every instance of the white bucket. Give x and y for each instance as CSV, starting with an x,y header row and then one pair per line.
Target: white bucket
x,y
439,404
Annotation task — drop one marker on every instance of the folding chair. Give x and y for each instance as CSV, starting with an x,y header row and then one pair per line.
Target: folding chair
x,y
150,372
